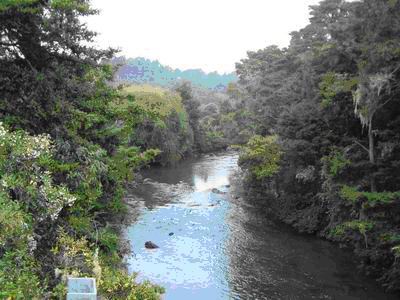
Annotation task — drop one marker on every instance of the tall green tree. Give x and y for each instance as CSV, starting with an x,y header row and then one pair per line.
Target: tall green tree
x,y
44,56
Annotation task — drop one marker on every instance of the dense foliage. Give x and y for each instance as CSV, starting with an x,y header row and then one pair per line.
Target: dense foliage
x,y
332,100
67,146
168,128
222,119
261,155
200,120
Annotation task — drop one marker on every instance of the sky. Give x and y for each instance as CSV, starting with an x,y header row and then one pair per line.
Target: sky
x,y
208,34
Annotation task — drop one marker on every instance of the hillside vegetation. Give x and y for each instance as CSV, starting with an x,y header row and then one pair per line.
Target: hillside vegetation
x,y
167,128
327,114
67,147
156,99
190,120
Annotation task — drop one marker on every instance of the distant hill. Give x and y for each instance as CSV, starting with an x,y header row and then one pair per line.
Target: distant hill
x,y
141,70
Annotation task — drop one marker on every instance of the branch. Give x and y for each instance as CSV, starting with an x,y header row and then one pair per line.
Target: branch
x,y
395,70
361,145
384,103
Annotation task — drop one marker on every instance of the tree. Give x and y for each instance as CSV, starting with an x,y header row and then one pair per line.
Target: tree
x,y
191,105
378,64
372,94
45,53
266,76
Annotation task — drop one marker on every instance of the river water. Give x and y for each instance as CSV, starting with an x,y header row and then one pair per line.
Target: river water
x,y
213,246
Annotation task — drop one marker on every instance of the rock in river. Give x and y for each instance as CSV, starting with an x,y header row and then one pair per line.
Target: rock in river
x,y
217,191
150,245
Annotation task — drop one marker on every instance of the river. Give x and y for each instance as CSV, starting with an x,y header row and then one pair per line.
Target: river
x,y
214,246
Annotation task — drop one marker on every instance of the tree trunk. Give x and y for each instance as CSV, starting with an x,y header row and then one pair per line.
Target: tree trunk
x,y
371,152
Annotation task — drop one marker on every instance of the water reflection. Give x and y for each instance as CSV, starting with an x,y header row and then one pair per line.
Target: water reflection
x,y
293,266
214,247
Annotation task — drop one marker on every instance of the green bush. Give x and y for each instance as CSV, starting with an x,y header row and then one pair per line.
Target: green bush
x,y
357,225
117,284
336,162
371,198
360,226
261,155
108,239
19,278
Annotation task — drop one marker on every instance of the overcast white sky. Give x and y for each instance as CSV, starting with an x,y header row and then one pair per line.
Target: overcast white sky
x,y
207,34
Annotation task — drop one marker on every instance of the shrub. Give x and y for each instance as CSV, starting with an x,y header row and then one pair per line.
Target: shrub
x,y
359,226
21,157
371,198
261,155
336,162
19,277
117,284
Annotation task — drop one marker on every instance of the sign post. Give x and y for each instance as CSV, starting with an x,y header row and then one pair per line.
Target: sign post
x,y
81,289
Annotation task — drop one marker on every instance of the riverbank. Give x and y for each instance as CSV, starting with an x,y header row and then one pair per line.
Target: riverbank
x,y
323,219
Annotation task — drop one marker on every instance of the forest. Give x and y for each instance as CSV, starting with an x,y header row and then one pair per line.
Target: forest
x,y
326,155
317,126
